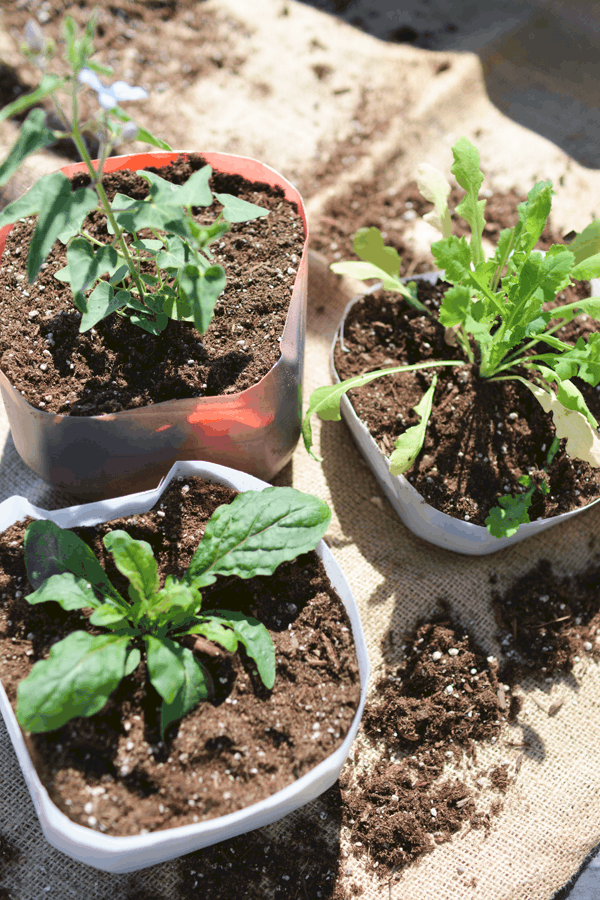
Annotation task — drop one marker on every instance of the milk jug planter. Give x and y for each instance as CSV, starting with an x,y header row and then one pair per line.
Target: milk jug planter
x,y
510,432
254,430
128,853
424,520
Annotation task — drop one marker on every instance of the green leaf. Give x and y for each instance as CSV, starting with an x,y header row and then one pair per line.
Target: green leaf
x,y
467,173
47,86
83,201
256,532
370,247
76,680
195,191
408,445
50,550
135,560
588,269
143,134
201,291
238,210
32,200
85,265
533,215
197,685
214,629
454,257
68,590
152,326
101,303
33,137
504,519
133,660
176,255
257,641
586,244
107,616
591,307
175,604
455,304
149,245
165,666
436,189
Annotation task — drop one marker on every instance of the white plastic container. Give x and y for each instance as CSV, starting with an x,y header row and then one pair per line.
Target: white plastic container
x,y
419,516
128,854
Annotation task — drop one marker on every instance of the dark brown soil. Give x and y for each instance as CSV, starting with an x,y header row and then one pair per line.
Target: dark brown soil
x,y
426,715
117,365
481,437
548,622
112,771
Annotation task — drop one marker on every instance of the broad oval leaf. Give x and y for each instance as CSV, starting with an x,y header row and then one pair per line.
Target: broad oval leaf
x,y
51,550
135,560
258,531
257,641
165,666
77,679
196,685
69,591
101,303
214,629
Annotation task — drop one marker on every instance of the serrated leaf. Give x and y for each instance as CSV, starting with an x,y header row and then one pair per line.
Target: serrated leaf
x,y
512,511
101,303
33,136
467,173
197,685
256,532
435,188
533,215
455,304
76,680
454,257
165,666
409,444
68,590
237,210
135,560
257,641
51,550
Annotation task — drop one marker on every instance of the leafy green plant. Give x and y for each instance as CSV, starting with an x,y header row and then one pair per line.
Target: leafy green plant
x,y
497,311
250,536
158,264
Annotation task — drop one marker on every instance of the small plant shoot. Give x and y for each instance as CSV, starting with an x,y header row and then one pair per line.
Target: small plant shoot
x,y
250,536
498,310
157,264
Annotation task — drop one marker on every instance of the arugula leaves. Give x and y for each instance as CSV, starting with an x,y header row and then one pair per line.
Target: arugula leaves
x,y
250,536
498,311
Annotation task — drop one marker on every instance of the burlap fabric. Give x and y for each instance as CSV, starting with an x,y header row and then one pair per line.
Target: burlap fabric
x,y
551,815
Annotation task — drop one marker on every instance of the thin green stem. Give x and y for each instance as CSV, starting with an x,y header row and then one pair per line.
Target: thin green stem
x,y
96,177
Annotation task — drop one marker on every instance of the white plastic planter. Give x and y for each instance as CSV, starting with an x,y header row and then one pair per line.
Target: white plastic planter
x,y
419,516
127,854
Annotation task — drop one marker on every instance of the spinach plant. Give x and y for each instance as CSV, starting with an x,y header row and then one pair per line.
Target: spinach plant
x,y
157,264
250,536
497,310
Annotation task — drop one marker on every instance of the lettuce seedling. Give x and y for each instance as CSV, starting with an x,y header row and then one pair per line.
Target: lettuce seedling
x,y
169,275
497,310
250,536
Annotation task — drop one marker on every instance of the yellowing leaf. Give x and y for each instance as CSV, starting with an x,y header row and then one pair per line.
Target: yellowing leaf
x,y
582,440
436,189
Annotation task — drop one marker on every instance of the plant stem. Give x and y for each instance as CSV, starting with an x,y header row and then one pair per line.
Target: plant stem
x,y
96,176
